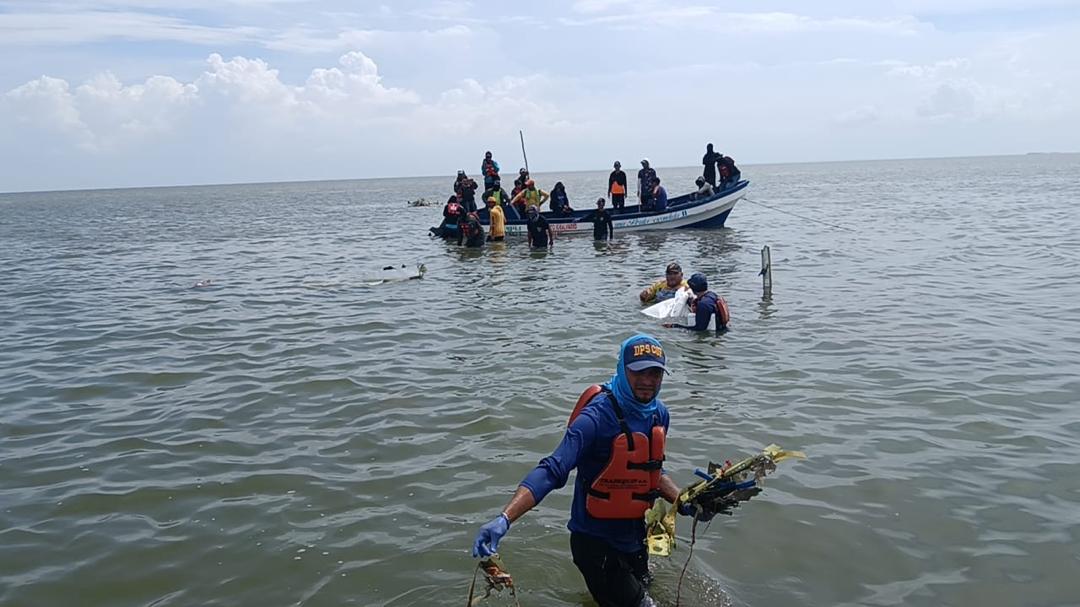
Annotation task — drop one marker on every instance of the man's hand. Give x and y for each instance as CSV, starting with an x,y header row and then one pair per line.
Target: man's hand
x,y
487,540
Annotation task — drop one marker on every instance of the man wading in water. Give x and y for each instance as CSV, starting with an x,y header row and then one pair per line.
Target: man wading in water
x,y
625,418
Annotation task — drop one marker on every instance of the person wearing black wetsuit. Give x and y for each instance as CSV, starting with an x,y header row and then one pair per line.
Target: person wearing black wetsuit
x,y
601,220
472,233
709,160
540,234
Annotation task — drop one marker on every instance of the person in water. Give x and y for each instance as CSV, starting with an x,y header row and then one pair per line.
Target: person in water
x,y
644,178
607,528
560,202
532,197
540,234
472,232
489,169
453,215
706,305
659,196
709,160
616,187
497,231
666,288
602,228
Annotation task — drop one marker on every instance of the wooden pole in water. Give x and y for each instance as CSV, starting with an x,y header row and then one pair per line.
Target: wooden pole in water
x,y
766,272
522,136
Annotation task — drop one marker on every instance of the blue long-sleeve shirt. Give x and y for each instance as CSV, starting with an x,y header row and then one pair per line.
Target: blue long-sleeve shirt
x,y
587,447
707,305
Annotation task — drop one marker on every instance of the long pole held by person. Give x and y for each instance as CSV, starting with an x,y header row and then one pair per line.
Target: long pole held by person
x,y
522,136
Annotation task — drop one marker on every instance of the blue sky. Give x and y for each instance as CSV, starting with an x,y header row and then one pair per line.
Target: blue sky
x,y
155,92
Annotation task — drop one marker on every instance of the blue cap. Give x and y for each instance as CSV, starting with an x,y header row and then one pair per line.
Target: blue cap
x,y
698,283
642,353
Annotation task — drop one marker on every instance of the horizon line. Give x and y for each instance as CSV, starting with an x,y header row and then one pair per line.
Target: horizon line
x,y
337,179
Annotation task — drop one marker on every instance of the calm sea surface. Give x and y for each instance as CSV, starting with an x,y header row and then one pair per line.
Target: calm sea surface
x,y
295,435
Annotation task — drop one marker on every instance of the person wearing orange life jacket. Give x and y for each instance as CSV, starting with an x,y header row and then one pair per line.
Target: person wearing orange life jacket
x,y
617,187
616,439
489,169
706,305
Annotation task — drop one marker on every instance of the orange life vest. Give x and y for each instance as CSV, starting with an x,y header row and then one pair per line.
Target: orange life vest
x,y
723,315
618,188
630,482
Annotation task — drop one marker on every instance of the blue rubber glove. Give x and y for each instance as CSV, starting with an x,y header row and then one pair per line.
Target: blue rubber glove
x,y
692,511
487,541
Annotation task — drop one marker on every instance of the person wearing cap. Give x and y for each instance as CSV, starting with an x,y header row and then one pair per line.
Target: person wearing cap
x,y
706,305
502,199
616,187
519,181
539,230
490,170
644,179
602,228
607,528
531,196
497,231
465,188
666,288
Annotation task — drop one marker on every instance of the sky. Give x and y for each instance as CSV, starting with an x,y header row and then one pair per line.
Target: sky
x,y
117,93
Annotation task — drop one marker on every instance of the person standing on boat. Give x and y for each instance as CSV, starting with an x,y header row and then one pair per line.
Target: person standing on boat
x,y
616,187
531,196
709,160
497,231
666,288
602,227
490,170
519,182
560,202
644,179
540,234
659,196
611,425
497,192
705,306
465,188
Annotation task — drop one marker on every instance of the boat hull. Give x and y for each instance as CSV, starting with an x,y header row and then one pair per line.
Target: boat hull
x,y
708,213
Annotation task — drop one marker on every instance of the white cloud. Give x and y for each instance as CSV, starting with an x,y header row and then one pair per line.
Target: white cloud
x,y
101,114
